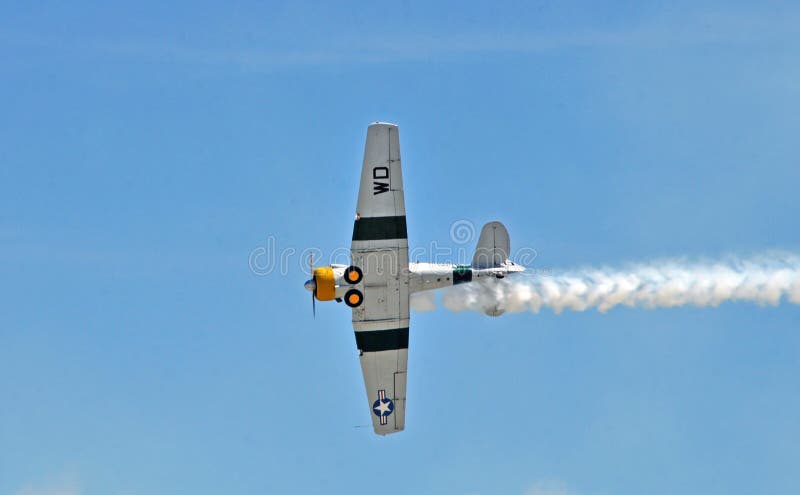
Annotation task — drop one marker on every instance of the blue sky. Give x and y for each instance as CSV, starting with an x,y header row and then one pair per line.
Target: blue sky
x,y
148,150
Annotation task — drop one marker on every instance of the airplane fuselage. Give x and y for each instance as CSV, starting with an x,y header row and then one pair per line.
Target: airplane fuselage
x,y
424,276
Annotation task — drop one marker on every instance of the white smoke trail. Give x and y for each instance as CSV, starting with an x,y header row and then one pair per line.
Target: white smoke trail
x,y
765,279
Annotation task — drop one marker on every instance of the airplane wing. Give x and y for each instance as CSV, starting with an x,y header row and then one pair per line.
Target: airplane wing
x,y
380,249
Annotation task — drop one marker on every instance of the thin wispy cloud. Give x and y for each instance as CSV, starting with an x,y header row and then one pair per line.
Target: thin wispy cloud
x,y
388,47
400,47
67,485
549,487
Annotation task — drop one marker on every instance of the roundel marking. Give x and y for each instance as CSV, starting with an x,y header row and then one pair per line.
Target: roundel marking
x,y
383,407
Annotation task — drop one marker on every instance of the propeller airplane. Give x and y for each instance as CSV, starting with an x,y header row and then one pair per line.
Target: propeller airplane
x,y
379,280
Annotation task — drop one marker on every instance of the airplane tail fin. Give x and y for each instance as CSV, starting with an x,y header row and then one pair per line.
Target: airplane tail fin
x,y
494,246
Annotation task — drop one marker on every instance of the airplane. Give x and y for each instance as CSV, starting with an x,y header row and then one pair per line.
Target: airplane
x,y
379,280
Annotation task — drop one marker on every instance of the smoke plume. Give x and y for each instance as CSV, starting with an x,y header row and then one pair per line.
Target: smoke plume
x,y
765,279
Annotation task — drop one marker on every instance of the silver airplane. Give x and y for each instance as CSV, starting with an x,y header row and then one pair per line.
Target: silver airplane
x,y
379,280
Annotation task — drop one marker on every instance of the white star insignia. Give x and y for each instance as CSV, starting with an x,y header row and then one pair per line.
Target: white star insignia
x,y
382,407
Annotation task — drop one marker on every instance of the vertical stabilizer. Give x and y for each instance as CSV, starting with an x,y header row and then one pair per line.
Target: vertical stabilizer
x,y
494,246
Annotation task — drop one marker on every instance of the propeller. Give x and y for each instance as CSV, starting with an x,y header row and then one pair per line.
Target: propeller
x,y
314,292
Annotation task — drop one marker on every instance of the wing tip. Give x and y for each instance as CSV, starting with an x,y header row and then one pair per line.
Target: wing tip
x,y
383,431
378,123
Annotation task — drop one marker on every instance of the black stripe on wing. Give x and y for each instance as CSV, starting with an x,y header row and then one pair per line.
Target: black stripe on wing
x,y
382,340
380,228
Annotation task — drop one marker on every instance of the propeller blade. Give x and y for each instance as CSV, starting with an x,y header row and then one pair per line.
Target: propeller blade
x,y
314,292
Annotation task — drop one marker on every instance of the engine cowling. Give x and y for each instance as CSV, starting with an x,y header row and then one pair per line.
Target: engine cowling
x,y
325,285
